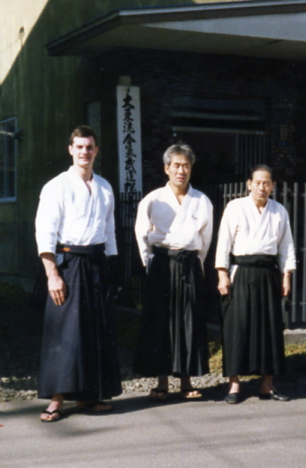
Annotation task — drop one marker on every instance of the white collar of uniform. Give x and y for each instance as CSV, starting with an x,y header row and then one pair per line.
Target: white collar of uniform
x,y
72,173
250,198
174,201
77,182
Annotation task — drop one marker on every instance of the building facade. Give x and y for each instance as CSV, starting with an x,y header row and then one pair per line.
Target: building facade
x,y
227,78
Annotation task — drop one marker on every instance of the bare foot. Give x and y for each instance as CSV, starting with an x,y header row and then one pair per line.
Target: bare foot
x,y
54,410
266,384
234,385
190,393
187,390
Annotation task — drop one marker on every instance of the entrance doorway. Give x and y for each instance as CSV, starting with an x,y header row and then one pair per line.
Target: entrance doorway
x,y
223,157
228,136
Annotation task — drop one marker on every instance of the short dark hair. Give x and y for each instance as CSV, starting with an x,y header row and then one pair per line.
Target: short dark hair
x,y
261,167
83,131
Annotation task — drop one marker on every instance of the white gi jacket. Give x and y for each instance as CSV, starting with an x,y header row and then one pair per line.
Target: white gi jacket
x,y
163,222
245,231
68,213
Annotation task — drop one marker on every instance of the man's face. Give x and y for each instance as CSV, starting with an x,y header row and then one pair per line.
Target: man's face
x,y
179,171
260,187
83,151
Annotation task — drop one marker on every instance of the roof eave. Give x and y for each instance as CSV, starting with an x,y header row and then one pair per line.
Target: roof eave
x,y
65,44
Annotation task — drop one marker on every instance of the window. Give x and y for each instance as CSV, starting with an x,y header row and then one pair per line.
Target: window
x,y
8,152
228,136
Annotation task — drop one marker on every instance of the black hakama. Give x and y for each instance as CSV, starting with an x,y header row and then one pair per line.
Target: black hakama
x,y
253,341
79,350
173,331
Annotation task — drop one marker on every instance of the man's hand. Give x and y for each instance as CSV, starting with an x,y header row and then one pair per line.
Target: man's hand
x,y
56,285
57,289
286,286
224,285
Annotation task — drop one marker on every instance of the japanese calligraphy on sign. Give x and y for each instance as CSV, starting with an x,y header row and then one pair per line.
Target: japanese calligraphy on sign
x,y
129,139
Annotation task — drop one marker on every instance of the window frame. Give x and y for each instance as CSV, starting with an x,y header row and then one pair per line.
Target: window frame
x,y
6,157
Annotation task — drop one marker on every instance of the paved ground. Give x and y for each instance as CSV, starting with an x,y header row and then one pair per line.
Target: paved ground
x,y
142,434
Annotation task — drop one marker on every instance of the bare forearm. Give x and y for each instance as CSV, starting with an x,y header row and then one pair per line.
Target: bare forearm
x,y
48,260
286,283
224,284
56,285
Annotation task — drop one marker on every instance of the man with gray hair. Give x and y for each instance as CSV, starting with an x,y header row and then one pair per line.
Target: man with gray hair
x,y
173,231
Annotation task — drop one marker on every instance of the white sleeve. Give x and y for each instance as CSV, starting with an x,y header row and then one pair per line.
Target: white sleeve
x,y
206,231
48,218
226,237
110,244
286,247
142,228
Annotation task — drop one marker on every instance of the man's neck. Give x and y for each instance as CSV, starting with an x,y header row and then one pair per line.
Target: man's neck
x,y
179,192
84,173
260,206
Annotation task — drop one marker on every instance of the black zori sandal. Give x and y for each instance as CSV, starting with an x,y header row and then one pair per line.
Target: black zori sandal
x,y
51,413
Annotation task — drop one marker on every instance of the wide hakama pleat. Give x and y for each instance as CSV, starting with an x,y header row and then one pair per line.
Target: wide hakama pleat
x,y
79,349
253,341
172,337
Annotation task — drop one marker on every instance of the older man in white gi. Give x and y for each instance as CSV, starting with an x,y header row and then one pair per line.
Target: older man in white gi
x,y
173,230
255,257
75,234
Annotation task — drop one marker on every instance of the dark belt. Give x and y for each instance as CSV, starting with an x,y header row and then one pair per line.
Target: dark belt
x,y
93,249
180,255
186,258
260,260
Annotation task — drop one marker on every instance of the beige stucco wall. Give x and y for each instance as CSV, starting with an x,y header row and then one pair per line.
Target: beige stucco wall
x,y
20,16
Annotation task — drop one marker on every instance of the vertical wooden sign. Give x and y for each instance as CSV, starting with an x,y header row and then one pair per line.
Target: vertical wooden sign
x,y
129,139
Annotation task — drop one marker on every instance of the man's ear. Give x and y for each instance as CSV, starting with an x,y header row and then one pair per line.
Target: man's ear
x,y
248,184
166,169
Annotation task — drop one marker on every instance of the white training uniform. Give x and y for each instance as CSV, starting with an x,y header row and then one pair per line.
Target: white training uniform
x,y
245,231
164,222
69,214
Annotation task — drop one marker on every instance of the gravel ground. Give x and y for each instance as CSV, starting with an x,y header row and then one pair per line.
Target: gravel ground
x,y
24,388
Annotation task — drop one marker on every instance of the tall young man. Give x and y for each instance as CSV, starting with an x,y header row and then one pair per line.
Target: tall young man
x,y
75,235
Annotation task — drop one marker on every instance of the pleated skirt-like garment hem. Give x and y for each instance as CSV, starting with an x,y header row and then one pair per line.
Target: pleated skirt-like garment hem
x,y
79,349
173,337
253,341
